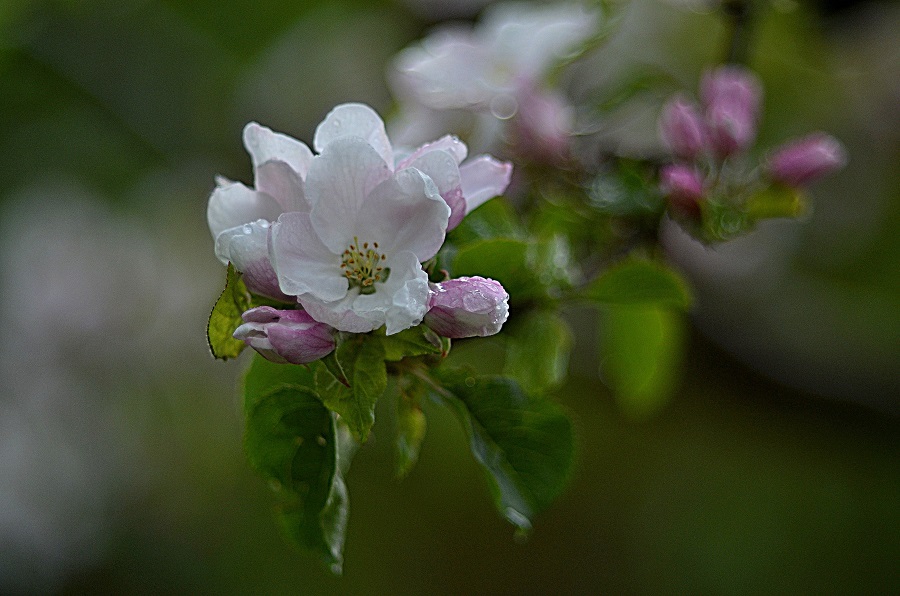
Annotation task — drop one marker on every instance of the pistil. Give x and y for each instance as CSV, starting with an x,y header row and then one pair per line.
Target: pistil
x,y
363,265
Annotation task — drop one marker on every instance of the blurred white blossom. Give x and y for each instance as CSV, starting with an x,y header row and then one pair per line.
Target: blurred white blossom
x,y
495,72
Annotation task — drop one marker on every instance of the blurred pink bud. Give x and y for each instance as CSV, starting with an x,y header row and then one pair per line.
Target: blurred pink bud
x,y
467,307
801,161
542,125
285,336
682,129
683,187
732,96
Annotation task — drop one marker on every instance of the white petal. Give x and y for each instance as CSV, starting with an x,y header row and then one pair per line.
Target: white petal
x,y
402,300
339,180
339,314
264,145
449,143
442,168
483,178
405,212
303,264
243,244
279,180
449,70
354,120
530,40
246,247
232,204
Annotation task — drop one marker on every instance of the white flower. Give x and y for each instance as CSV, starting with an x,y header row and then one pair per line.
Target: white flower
x,y
497,66
354,261
239,217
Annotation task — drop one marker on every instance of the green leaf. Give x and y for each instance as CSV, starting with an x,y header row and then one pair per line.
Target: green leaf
x,y
264,376
776,201
226,317
361,359
640,281
538,349
291,441
523,442
627,191
642,350
415,341
411,426
514,263
493,219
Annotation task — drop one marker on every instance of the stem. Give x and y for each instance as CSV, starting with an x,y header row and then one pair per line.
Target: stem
x,y
740,20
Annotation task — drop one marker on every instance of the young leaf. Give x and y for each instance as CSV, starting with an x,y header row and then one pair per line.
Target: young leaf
x,y
537,353
523,442
362,361
642,351
415,341
776,201
291,441
640,281
264,376
226,317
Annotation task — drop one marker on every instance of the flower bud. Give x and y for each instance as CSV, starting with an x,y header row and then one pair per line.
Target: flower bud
x,y
467,307
683,187
682,129
285,336
732,96
801,161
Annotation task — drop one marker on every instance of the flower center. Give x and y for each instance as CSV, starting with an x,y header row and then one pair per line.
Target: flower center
x,y
363,265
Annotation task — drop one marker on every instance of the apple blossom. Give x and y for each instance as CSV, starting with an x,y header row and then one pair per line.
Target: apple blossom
x,y
239,217
464,185
286,335
467,307
801,161
498,69
732,96
354,261
682,185
682,128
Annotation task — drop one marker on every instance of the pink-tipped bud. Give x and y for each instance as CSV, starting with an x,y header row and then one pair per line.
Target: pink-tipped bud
x,y
802,161
683,187
286,336
467,307
733,97
682,129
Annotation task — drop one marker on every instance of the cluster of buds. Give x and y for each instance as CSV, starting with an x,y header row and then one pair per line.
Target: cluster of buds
x,y
706,138
457,308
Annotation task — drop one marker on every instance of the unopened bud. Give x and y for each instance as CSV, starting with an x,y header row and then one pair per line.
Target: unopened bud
x,y
467,307
732,96
801,161
285,336
683,186
682,129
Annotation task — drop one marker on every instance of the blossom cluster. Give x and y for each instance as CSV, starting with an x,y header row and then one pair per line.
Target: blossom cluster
x,y
341,235
706,139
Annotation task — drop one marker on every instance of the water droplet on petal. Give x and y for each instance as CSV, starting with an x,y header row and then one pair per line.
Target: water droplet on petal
x,y
247,229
